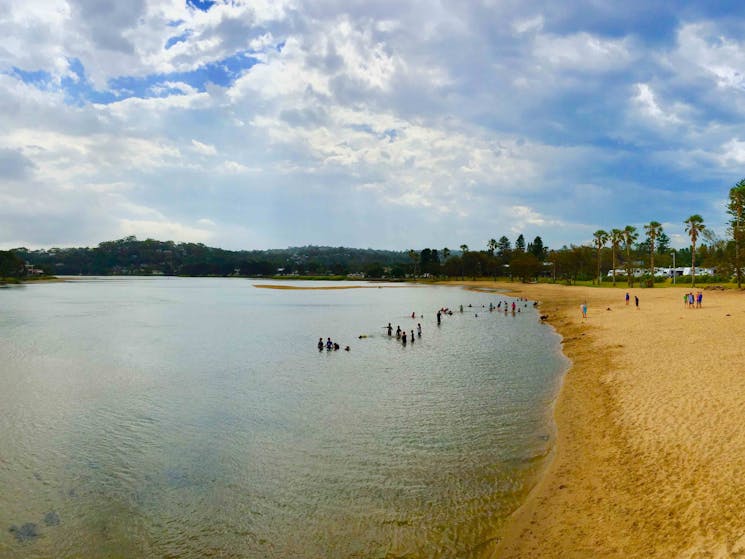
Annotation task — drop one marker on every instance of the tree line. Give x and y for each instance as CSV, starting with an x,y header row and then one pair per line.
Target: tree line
x,y
625,250
722,254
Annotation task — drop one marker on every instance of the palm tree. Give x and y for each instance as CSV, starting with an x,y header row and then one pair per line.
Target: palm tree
x,y
491,246
616,238
445,254
629,236
736,208
600,238
694,226
653,229
464,251
414,256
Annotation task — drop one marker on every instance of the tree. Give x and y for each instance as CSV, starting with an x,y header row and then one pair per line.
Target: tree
x,y
629,236
694,226
11,266
473,263
663,243
537,249
600,237
520,243
414,257
429,261
616,238
525,266
736,209
573,263
453,267
464,251
504,248
653,229
445,254
491,246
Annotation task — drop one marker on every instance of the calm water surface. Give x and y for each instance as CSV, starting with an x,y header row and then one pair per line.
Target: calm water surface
x,y
190,418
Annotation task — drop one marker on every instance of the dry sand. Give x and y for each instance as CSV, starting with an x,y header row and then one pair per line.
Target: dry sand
x,y
650,453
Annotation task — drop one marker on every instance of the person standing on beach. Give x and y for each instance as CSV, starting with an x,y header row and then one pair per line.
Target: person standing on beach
x,y
636,302
685,300
583,308
699,298
627,298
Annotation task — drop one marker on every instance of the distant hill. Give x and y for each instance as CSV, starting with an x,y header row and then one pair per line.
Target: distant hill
x,y
130,256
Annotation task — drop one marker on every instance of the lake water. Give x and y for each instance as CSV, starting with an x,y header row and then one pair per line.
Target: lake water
x,y
190,418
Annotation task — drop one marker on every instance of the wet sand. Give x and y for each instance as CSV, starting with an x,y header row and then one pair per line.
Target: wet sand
x,y
649,458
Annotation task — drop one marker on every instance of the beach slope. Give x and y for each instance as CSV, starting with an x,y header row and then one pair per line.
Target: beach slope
x,y
649,458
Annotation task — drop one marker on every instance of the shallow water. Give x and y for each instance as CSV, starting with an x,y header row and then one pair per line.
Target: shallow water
x,y
195,417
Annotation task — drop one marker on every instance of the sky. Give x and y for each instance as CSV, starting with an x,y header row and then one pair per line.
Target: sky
x,y
386,124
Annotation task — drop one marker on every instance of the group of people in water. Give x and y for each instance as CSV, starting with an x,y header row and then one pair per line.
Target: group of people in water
x,y
401,334
410,337
329,345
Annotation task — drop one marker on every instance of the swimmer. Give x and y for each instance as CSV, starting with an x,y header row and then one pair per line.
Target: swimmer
x,y
320,344
419,329
403,337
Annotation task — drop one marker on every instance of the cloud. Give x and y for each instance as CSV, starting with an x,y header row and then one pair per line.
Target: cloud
x,y
164,230
14,166
583,52
203,149
331,122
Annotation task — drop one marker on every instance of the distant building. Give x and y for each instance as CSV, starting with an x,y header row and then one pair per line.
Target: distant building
x,y
31,270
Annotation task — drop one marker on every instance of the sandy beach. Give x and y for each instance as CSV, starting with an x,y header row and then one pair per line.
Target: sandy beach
x,y
649,457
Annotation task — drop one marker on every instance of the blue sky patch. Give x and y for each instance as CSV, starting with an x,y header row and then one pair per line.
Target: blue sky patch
x,y
203,5
79,90
177,39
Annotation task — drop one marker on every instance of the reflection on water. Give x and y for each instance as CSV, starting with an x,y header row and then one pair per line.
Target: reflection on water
x,y
194,418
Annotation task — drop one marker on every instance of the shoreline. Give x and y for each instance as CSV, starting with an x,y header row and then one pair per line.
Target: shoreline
x,y
647,459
